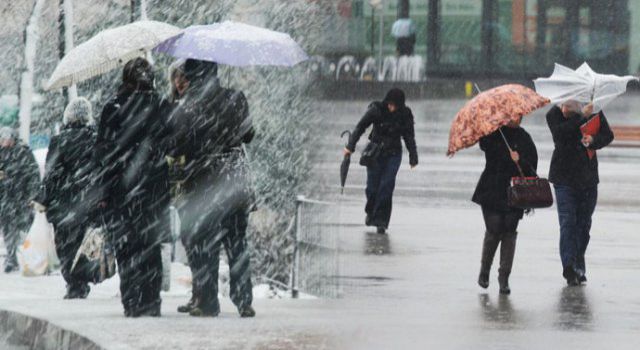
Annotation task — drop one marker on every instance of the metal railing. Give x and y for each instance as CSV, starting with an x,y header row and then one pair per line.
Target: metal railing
x,y
316,262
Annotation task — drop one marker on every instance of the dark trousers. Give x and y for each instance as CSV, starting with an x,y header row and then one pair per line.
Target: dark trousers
x,y
204,256
139,265
381,181
68,239
501,230
575,208
13,222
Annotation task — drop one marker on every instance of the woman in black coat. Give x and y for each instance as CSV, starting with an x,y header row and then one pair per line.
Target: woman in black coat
x,y
134,185
501,221
392,121
65,194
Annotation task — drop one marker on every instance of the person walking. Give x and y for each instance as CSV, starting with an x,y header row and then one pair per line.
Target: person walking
x,y
213,124
392,120
65,190
134,185
19,183
574,175
501,220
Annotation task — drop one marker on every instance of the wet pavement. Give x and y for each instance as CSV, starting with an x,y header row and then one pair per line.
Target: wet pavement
x,y
414,288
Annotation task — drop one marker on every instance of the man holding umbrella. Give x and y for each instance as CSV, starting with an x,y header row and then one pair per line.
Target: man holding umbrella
x,y
574,174
211,125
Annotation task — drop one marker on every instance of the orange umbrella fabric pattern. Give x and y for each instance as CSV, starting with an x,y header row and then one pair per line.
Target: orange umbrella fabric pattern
x,y
489,111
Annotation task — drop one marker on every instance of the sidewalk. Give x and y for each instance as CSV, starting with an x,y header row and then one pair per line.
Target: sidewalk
x,y
413,289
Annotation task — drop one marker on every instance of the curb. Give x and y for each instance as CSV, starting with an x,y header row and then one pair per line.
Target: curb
x,y
36,333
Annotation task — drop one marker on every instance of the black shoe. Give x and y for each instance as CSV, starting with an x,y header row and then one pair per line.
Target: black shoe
x,y
10,266
152,310
186,308
504,285
199,311
571,276
247,311
582,279
381,230
77,292
367,220
483,280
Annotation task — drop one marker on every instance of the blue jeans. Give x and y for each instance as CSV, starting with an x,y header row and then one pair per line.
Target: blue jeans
x,y
381,181
575,208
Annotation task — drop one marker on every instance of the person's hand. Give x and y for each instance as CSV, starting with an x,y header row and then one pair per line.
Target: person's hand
x,y
37,206
346,151
587,140
515,156
588,110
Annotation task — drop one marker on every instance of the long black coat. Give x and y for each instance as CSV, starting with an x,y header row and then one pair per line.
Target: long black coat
x,y
20,181
210,122
570,163
68,176
388,128
133,175
491,191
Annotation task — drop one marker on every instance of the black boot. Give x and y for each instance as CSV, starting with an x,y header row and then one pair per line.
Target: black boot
x,y
489,247
186,308
507,253
211,309
503,280
247,311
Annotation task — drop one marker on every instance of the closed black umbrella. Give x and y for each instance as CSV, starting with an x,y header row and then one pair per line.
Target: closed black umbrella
x,y
344,167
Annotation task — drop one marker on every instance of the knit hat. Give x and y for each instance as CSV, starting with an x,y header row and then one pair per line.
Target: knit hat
x,y
7,133
78,111
198,69
395,96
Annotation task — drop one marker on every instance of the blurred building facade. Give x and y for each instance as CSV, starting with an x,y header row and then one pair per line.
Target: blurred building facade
x,y
498,38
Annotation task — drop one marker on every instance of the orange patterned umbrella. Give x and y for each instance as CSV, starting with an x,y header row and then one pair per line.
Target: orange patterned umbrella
x,y
489,111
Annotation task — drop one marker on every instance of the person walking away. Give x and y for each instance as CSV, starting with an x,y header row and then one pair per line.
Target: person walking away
x,y
134,185
19,182
574,175
65,194
501,220
391,120
215,123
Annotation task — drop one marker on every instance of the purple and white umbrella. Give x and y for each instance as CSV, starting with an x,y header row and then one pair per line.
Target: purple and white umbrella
x,y
235,44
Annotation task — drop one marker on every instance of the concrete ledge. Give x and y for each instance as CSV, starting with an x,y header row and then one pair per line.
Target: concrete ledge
x,y
36,333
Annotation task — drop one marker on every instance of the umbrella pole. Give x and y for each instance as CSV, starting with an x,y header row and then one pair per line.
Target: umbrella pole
x,y
510,150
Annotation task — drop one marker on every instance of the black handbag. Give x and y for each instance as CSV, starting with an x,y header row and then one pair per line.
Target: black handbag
x,y
370,154
531,192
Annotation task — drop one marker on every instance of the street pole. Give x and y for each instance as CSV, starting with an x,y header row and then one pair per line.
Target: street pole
x,y
381,43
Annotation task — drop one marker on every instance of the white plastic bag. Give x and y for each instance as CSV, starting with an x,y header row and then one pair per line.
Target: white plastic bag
x,y
166,249
37,254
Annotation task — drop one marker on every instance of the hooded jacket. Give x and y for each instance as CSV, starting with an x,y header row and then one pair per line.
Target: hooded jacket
x,y
388,129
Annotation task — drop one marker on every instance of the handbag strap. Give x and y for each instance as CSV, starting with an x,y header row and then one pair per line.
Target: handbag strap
x,y
504,138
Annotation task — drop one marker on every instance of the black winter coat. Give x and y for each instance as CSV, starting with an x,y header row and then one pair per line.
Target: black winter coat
x,y
388,128
69,175
209,123
20,179
133,176
491,191
570,163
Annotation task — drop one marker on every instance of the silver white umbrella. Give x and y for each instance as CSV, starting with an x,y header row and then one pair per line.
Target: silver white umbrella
x,y
108,50
583,85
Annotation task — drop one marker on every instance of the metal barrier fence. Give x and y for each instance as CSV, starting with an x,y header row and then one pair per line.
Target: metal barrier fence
x,y
316,263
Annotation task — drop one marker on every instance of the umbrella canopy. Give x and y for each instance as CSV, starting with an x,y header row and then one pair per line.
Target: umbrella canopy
x,y
489,111
235,44
108,50
583,85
